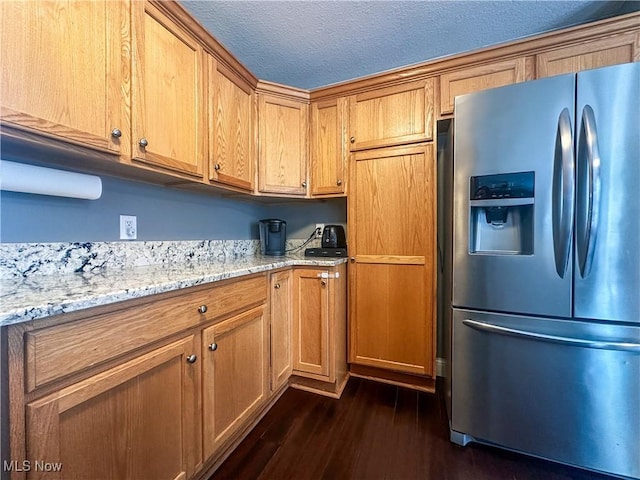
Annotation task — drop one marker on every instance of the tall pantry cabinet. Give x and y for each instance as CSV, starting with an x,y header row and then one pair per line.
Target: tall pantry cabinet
x,y
392,233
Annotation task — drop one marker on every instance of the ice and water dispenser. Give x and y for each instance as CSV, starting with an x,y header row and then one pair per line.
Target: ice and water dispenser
x,y
501,213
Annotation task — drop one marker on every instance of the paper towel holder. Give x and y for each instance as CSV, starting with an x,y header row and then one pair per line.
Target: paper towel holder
x,y
24,178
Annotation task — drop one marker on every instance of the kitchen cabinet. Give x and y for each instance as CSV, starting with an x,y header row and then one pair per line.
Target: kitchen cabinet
x,y
135,420
328,147
480,77
319,328
392,243
234,375
281,328
87,389
394,115
168,102
622,48
63,71
231,125
283,144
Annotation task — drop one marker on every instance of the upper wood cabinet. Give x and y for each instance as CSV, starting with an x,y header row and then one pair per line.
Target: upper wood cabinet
x,y
392,116
480,77
63,70
168,102
281,328
622,48
135,420
328,147
283,144
235,375
231,127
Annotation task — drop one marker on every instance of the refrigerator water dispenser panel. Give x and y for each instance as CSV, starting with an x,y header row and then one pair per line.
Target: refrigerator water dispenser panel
x,y
501,213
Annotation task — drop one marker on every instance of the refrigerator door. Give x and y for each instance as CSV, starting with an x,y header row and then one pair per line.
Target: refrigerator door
x,y
607,254
564,390
519,262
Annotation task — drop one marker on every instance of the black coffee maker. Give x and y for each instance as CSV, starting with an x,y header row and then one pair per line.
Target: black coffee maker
x,y
273,235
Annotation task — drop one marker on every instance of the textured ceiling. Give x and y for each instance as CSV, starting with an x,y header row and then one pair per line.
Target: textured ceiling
x,y
310,44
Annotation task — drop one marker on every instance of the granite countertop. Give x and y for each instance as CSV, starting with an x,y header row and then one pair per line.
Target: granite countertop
x,y
32,298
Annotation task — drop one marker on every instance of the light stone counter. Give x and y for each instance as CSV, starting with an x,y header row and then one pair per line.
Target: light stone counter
x,y
35,297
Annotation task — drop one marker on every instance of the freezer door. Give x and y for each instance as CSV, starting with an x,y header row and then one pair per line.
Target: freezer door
x,y
520,263
564,390
607,253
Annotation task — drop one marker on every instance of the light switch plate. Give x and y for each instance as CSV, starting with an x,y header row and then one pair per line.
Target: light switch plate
x,y
128,227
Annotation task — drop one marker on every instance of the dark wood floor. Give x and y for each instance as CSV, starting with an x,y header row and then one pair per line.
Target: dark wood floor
x,y
374,431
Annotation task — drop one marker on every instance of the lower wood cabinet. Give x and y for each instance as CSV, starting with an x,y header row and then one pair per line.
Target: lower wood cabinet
x,y
320,328
281,326
138,420
234,375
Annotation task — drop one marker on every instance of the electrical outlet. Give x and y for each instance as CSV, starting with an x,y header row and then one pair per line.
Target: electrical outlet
x,y
321,227
128,227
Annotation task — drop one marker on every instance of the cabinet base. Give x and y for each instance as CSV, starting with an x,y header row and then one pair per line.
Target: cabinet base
x,y
424,384
333,390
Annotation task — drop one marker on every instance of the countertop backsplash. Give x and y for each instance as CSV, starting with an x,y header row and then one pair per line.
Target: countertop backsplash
x,y
23,260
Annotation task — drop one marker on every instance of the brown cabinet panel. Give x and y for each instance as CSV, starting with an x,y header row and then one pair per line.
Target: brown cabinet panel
x,y
283,144
392,229
623,48
281,328
392,116
311,322
136,421
481,77
168,107
63,70
234,375
231,121
328,147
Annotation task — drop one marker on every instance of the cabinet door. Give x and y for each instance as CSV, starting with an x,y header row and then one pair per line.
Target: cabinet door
x,y
311,323
283,144
231,119
134,421
62,70
623,48
234,375
478,78
168,102
392,232
281,326
328,148
392,116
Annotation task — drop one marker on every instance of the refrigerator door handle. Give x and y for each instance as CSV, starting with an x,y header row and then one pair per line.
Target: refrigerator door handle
x,y
576,342
589,200
563,192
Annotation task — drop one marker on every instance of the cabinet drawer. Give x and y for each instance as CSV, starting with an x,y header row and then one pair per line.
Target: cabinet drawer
x,y
55,352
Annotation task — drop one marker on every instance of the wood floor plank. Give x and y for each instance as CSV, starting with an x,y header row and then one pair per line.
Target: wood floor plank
x,y
374,432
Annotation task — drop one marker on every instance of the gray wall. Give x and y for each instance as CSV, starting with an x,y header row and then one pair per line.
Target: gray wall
x,y
163,214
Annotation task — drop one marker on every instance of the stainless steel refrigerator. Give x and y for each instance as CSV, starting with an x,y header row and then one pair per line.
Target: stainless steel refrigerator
x,y
546,269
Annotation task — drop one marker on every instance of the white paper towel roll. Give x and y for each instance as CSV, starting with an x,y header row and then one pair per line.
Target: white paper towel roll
x,y
19,177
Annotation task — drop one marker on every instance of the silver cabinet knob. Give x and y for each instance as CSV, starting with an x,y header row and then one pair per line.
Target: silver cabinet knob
x,y
202,309
339,182
276,286
143,142
352,139
304,184
116,133
216,167
213,346
192,358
